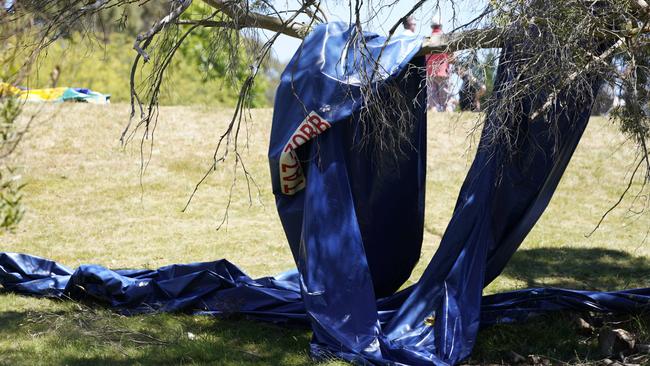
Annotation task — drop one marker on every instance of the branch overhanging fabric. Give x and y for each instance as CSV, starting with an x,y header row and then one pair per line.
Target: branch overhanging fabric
x,y
354,221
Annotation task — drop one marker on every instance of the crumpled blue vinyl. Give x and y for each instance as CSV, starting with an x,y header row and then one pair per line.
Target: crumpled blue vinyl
x,y
220,288
353,215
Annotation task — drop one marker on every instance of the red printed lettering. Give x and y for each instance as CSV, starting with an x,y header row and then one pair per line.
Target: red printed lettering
x,y
290,169
290,189
284,167
296,139
319,123
308,131
294,176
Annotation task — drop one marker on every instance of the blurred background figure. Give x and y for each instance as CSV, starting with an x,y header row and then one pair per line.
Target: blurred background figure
x,y
409,25
54,76
471,90
452,104
438,75
619,87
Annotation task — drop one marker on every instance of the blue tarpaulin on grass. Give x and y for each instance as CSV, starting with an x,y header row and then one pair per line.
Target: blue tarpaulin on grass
x,y
353,216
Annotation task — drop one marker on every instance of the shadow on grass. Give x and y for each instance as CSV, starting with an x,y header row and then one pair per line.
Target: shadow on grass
x,y
579,268
555,335
87,336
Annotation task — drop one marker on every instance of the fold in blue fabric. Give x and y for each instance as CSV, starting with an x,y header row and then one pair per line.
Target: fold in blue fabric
x,y
353,214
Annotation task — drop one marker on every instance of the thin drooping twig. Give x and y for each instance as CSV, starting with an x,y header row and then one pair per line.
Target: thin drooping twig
x,y
141,43
572,77
226,139
392,31
620,199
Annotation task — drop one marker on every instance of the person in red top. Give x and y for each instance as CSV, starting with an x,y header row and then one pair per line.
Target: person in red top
x,y
438,75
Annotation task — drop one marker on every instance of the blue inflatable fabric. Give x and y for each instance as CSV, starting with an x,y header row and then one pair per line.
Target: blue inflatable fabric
x,y
504,194
317,115
339,213
220,288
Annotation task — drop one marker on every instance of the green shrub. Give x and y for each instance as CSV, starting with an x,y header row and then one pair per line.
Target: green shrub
x,y
11,211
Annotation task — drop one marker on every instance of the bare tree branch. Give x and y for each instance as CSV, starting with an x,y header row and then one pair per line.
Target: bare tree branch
x,y
148,35
553,96
243,17
458,41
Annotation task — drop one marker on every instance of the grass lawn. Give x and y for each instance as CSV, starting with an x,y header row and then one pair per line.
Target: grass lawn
x,y
86,203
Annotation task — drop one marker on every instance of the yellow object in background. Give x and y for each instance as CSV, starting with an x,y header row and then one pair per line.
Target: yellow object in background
x,y
32,95
62,94
8,90
42,95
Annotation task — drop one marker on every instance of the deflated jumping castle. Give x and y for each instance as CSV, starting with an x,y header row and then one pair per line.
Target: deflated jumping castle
x,y
354,220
